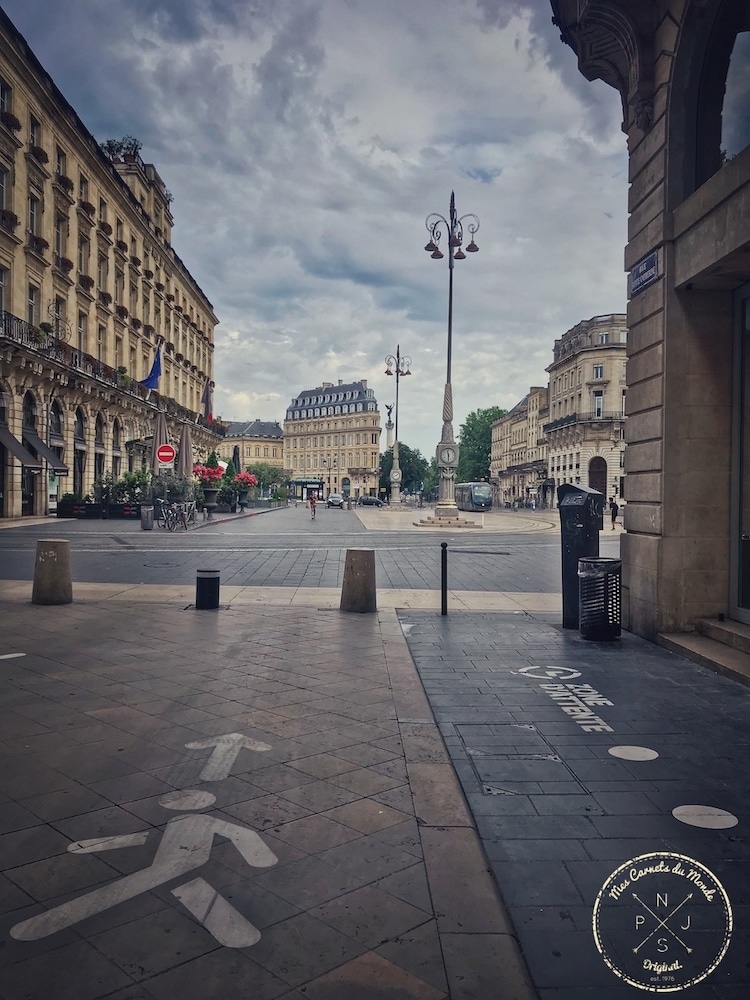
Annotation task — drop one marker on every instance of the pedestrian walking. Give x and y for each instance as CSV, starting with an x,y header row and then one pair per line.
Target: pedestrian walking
x,y
313,503
614,510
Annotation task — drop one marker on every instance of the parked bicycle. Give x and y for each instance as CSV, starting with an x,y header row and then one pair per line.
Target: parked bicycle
x,y
173,515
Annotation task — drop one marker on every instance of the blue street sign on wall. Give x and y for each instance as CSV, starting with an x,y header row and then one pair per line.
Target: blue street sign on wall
x,y
644,273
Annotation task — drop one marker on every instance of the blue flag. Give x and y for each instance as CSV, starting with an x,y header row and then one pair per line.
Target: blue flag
x,y
152,382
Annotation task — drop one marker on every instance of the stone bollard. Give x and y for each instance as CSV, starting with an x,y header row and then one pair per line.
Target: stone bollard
x,y
358,591
52,579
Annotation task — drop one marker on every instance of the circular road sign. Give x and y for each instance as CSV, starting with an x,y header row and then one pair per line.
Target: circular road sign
x,y
165,453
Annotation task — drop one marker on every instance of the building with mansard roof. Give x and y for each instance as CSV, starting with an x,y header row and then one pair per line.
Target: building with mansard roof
x,y
259,442
332,440
93,300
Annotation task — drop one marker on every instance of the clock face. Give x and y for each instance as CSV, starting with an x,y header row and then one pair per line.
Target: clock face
x,y
448,455
395,475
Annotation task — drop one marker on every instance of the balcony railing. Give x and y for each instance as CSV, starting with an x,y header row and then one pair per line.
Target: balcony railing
x,y
583,418
48,346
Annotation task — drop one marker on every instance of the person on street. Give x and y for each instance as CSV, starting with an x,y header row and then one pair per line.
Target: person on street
x,y
313,502
614,510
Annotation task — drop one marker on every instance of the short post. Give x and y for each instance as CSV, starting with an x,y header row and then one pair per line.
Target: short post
x,y
207,590
358,591
52,579
444,578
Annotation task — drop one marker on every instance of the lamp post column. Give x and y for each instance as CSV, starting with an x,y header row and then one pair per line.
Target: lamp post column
x,y
447,450
398,366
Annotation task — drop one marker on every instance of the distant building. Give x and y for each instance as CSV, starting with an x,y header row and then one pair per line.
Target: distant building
x,y
518,457
332,440
586,428
259,441
91,294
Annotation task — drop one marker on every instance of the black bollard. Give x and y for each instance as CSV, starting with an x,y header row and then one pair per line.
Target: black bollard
x,y
444,578
207,590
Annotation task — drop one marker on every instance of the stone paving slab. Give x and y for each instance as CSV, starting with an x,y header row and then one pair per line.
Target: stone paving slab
x,y
325,853
532,717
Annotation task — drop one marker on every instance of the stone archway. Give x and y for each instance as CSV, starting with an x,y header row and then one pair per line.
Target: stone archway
x,y
598,474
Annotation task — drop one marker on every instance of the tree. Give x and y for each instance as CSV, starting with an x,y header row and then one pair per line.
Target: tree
x,y
475,439
413,468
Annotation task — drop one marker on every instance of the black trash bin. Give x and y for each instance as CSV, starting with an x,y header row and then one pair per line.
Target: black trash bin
x,y
580,510
599,602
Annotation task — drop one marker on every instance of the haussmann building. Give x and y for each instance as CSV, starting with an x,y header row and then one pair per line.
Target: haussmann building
x,y
681,68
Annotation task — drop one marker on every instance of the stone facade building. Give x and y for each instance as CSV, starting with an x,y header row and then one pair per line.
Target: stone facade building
x,y
332,440
259,442
518,454
681,68
585,431
90,290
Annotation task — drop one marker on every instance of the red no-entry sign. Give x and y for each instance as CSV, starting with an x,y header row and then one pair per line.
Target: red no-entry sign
x,y
165,453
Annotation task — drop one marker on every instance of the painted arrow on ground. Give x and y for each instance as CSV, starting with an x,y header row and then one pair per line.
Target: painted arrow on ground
x,y
227,749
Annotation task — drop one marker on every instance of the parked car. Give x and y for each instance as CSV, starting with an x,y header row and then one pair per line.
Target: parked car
x,y
335,500
370,502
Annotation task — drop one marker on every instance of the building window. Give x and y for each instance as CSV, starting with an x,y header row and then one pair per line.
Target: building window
x,y
4,187
82,332
84,251
61,162
603,338
32,305
6,97
34,215
598,404
624,394
61,226
101,333
83,187
35,132
598,371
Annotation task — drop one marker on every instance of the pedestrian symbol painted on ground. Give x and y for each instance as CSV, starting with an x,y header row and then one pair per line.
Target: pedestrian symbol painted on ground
x,y
227,749
185,845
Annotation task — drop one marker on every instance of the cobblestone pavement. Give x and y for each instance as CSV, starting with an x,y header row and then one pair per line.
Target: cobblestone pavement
x,y
576,757
250,802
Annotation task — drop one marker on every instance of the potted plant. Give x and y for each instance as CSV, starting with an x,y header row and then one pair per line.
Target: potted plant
x,y
209,476
244,481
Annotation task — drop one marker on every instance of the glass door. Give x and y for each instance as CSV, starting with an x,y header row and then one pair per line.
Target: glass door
x,y
740,563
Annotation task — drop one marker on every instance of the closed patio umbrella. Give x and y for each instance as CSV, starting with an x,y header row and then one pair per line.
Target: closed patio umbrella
x,y
161,436
185,454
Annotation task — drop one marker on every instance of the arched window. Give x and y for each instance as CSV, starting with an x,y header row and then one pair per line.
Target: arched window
x,y
711,93
29,411
56,420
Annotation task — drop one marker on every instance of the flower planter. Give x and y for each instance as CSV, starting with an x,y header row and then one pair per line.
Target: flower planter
x,y
77,508
210,494
124,510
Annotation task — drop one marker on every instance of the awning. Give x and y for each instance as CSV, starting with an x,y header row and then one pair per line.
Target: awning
x,y
56,464
14,445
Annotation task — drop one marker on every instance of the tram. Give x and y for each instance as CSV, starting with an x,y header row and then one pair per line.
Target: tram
x,y
473,496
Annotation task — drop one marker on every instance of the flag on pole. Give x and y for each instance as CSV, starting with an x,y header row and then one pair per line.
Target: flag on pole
x,y
207,399
152,382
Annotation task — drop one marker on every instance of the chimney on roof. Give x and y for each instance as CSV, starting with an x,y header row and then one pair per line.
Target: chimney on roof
x,y
364,383
341,381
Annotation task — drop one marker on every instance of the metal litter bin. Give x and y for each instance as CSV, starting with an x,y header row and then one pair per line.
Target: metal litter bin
x,y
599,602
147,518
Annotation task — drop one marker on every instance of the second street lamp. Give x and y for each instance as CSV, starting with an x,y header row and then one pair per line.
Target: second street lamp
x,y
447,451
397,366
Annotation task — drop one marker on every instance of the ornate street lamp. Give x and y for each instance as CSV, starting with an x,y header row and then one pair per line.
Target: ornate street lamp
x,y
397,366
447,451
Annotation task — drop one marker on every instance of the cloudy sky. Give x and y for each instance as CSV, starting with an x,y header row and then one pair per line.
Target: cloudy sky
x,y
306,141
